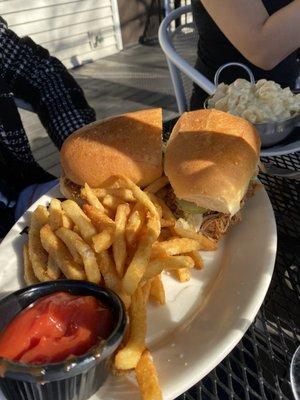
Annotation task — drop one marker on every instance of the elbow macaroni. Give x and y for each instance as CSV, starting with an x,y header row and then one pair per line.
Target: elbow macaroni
x,y
263,102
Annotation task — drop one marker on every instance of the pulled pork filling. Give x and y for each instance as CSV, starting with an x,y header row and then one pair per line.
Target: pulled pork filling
x,y
214,224
73,187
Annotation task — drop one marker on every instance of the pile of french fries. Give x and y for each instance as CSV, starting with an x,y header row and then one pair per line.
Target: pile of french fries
x,y
121,237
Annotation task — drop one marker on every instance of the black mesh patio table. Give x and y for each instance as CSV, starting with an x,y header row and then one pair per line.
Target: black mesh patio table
x,y
259,366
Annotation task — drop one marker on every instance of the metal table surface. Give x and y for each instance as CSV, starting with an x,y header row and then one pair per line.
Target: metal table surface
x,y
259,366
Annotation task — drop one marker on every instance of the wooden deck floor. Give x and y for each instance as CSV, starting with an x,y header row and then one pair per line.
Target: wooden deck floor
x,y
133,79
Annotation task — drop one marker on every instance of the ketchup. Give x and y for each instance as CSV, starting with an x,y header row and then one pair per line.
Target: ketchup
x,y
55,327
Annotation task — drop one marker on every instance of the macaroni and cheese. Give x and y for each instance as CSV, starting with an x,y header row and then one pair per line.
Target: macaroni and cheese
x,y
263,102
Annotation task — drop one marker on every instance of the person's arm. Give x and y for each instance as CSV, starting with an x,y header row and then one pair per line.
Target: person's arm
x,y
263,39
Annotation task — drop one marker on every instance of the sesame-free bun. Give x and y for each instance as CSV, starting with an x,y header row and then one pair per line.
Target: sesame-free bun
x,y
129,144
210,159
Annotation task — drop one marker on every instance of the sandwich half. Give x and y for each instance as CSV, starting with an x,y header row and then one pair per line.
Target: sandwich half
x,y
128,144
211,161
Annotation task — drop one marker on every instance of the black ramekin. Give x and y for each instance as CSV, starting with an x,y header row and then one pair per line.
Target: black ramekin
x,y
75,378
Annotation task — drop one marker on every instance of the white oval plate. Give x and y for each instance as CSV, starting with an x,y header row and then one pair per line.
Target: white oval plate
x,y
203,318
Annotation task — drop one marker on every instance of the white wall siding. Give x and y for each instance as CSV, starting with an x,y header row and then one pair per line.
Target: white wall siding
x,y
74,31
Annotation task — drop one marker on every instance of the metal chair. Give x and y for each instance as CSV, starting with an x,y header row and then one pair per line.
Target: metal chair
x,y
180,47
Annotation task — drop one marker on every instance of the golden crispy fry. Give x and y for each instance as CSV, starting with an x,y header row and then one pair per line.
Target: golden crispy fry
x,y
55,214
205,242
139,195
135,223
175,246
79,218
119,244
166,212
138,265
67,222
122,193
103,240
98,218
112,202
60,253
157,185
157,291
29,277
129,355
195,255
88,194
72,240
105,225
146,286
147,378
113,182
70,245
153,198
155,267
110,276
37,254
183,274
52,269
167,223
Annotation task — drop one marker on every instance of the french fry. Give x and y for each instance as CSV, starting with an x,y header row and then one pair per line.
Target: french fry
x,y
112,202
60,253
135,223
88,194
166,212
155,267
70,245
137,267
157,185
147,378
98,218
79,218
67,222
166,223
139,195
119,244
29,277
52,269
71,239
110,276
146,287
153,198
113,182
122,193
103,240
157,291
175,246
55,214
195,255
183,275
205,242
128,357
37,254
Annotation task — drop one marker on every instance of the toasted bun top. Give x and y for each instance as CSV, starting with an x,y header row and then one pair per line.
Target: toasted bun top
x,y
210,159
129,144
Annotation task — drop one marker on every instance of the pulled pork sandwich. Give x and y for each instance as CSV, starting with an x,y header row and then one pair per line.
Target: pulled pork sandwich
x,y
128,144
211,161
